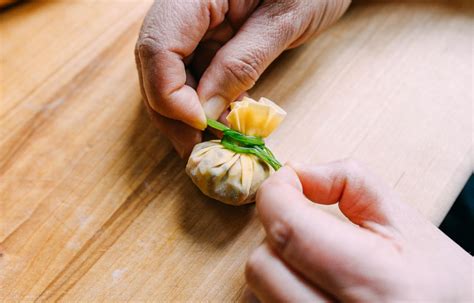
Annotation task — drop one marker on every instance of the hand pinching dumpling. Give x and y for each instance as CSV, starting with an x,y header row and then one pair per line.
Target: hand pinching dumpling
x,y
231,170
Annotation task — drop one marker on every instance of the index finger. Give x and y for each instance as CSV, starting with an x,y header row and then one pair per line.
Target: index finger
x,y
331,253
361,196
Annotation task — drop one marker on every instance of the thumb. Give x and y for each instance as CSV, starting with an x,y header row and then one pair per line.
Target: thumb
x,y
239,63
361,196
326,251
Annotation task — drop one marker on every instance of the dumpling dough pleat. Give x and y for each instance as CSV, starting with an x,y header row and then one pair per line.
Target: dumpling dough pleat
x,y
254,118
226,176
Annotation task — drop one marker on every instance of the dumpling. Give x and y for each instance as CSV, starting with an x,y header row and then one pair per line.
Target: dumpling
x,y
232,177
224,175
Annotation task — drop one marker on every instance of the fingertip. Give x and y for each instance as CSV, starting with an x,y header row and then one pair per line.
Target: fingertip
x,y
182,137
318,182
249,297
305,171
199,121
183,151
278,187
287,175
274,192
178,148
276,199
361,197
189,143
184,105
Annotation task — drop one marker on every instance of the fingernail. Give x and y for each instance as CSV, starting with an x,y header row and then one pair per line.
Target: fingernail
x,y
279,235
214,107
201,121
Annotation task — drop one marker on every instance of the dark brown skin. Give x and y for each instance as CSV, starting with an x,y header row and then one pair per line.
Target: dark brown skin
x,y
195,57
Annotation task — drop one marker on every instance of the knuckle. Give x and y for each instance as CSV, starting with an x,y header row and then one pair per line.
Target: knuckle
x,y
282,236
290,15
244,71
147,46
278,8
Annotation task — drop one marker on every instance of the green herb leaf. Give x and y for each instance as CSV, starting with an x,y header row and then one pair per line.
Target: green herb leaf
x,y
217,125
243,144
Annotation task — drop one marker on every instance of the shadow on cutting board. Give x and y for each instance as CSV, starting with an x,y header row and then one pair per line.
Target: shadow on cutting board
x,y
156,171
210,221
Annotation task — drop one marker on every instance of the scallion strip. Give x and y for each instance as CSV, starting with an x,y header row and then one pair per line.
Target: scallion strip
x,y
243,144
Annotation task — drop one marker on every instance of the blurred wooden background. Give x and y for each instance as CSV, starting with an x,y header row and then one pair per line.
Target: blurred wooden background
x,y
95,205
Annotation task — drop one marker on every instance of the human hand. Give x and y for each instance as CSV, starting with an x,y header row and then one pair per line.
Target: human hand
x,y
389,253
195,57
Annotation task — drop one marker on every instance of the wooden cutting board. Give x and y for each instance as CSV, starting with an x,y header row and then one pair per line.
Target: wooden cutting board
x,y
95,205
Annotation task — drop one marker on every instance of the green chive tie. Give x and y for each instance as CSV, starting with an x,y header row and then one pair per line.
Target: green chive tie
x,y
243,144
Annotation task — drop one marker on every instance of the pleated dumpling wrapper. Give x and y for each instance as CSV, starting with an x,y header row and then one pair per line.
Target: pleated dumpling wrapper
x,y
231,177
254,118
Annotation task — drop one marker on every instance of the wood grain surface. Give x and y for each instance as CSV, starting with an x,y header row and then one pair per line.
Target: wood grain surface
x,y
94,203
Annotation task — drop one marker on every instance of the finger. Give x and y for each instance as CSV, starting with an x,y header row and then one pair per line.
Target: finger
x,y
274,27
362,197
326,13
248,296
182,137
239,63
214,39
170,32
271,280
327,251
240,10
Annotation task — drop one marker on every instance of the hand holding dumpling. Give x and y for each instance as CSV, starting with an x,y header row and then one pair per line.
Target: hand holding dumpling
x,y
195,57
